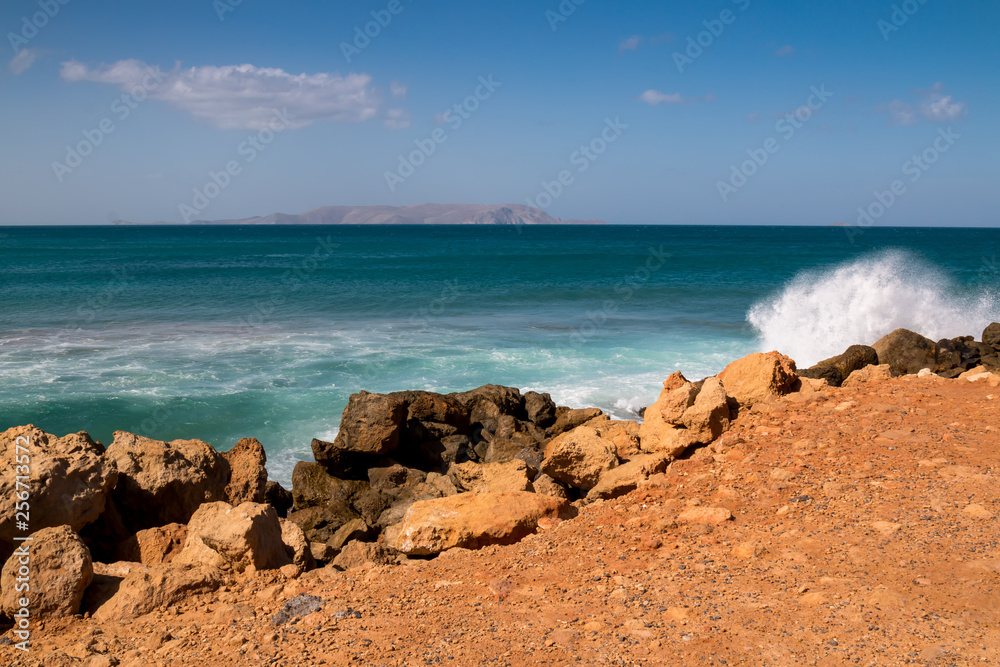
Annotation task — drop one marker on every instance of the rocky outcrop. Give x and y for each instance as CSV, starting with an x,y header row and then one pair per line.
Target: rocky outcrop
x,y
247,472
684,415
58,568
579,457
239,538
144,590
68,480
472,520
759,377
837,369
164,482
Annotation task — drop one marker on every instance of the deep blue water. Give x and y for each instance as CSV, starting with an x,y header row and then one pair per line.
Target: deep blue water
x,y
224,332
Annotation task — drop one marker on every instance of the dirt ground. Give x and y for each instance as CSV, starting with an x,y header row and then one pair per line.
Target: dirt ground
x,y
863,532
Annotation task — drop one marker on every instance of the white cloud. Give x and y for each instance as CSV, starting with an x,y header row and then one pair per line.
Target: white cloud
x,y
242,96
785,51
397,119
934,107
655,97
24,59
630,44
398,90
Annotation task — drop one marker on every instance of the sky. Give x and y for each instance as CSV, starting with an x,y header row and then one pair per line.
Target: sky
x,y
721,112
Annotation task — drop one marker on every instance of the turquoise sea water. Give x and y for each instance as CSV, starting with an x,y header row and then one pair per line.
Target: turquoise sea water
x,y
223,332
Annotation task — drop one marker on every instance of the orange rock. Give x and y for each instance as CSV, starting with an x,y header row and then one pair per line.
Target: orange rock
x,y
706,515
758,377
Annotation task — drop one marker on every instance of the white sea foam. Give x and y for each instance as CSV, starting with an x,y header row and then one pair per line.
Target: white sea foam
x,y
820,313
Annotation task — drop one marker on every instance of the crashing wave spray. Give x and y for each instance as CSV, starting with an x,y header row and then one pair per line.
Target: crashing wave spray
x,y
820,313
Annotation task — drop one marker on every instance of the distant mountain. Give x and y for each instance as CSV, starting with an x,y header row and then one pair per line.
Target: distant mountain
x,y
423,214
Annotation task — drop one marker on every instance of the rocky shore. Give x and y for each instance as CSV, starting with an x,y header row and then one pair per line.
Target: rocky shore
x,y
422,487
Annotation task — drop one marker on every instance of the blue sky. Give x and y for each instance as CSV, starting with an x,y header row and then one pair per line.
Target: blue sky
x,y
330,130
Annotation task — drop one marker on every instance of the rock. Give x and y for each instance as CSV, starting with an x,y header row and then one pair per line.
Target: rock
x,y
759,377
540,409
837,369
712,516
567,420
977,511
107,579
926,372
624,435
356,530
279,498
675,380
708,417
992,379
154,546
395,476
296,546
322,553
546,486
579,457
662,429
355,554
161,483
247,474
486,404
627,477
59,567
472,520
145,590
991,336
867,374
69,481
906,352
313,486
532,457
491,477
296,607
244,537
371,424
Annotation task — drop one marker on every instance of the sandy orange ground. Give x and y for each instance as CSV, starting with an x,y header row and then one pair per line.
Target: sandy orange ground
x,y
864,532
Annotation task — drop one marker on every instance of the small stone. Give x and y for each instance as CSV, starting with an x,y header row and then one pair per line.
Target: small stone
x,y
296,607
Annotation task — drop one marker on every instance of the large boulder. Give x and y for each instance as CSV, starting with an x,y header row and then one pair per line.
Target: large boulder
x,y
59,570
627,477
681,417
239,538
906,352
759,377
146,589
991,336
579,457
247,474
371,424
708,417
164,482
486,404
874,374
472,520
68,480
506,477
296,545
313,486
837,369
153,546
568,419
540,409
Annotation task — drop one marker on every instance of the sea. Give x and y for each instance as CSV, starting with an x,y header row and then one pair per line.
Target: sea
x,y
224,332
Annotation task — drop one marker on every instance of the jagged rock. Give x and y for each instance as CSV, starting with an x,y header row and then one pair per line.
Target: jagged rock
x,y
357,529
435,410
568,419
296,607
144,590
546,486
991,336
906,352
69,480
579,457
472,520
708,417
161,482
322,553
296,545
662,430
436,486
342,463
59,566
313,486
244,537
627,477
837,369
247,474
279,498
355,554
532,457
486,404
540,408
491,477
878,373
395,476
371,424
154,546
759,377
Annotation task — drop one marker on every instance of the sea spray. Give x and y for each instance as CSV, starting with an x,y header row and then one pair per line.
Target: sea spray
x,y
822,312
